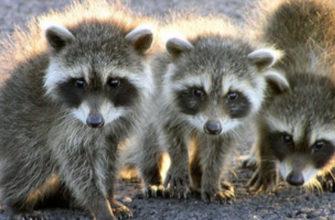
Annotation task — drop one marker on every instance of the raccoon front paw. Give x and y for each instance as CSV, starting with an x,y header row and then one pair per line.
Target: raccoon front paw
x,y
249,162
328,183
262,181
119,210
177,185
225,193
153,191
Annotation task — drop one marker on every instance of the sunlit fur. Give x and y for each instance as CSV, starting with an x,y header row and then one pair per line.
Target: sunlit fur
x,y
303,30
43,134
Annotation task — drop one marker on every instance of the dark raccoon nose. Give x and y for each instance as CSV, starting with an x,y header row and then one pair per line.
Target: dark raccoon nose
x,y
213,127
295,179
95,120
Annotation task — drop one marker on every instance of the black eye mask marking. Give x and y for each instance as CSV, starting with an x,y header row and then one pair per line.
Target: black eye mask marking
x,y
322,151
237,104
191,100
281,144
118,90
72,92
121,92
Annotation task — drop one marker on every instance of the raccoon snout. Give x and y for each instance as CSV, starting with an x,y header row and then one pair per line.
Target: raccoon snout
x,y
295,178
213,127
95,120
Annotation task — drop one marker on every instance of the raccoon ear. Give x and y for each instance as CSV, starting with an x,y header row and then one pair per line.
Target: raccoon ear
x,y
58,36
264,58
177,46
141,39
277,81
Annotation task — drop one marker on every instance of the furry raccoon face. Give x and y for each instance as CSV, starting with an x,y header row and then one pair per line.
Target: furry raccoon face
x,y
216,83
300,129
97,72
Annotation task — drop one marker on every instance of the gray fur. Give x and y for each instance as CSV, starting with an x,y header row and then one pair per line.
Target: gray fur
x,y
217,56
306,110
41,139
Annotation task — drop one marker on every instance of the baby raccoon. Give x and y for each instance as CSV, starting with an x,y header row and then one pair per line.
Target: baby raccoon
x,y
211,83
297,128
68,102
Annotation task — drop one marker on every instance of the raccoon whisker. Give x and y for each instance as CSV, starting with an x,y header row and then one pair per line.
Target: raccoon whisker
x,y
314,184
331,173
233,172
237,134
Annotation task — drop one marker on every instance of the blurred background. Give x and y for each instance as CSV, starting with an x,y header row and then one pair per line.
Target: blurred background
x,y
17,12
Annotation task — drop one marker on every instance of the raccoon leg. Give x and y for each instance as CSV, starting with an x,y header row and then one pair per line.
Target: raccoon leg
x,y
177,180
119,210
23,184
250,162
79,172
60,198
196,172
328,181
150,158
213,153
265,176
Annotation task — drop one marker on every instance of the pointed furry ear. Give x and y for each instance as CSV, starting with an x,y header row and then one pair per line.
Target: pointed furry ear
x,y
264,58
58,36
177,46
277,81
141,38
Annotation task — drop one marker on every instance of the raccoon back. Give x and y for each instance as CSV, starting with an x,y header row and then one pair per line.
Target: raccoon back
x,y
302,29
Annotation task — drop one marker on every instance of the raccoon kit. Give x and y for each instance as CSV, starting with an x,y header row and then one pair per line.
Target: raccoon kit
x,y
70,98
211,82
297,128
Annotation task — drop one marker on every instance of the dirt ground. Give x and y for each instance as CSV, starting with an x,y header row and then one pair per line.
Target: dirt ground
x,y
287,203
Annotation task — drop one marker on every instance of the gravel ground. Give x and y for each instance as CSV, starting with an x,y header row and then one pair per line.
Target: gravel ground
x,y
287,203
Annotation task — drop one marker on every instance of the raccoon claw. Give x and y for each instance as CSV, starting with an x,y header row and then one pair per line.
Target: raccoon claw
x,y
328,184
177,187
181,194
29,217
249,162
260,181
153,191
228,189
120,211
225,194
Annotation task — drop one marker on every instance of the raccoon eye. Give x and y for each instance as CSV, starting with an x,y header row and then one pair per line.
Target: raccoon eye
x,y
318,145
198,93
232,96
80,83
114,83
287,139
